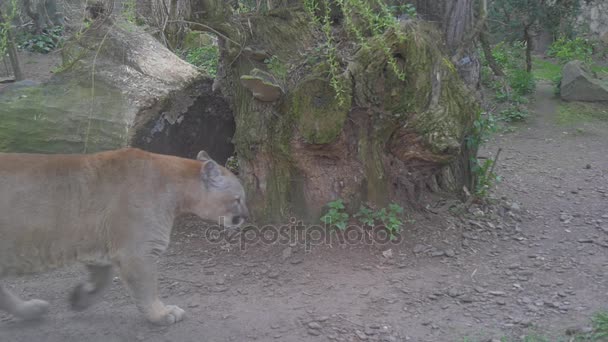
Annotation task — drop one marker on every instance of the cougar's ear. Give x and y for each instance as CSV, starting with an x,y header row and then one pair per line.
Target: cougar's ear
x,y
203,156
211,175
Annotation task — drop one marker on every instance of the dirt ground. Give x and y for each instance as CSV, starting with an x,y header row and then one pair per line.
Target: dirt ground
x,y
536,261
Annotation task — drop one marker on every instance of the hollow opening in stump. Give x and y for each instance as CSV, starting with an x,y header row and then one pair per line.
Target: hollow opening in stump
x,y
206,124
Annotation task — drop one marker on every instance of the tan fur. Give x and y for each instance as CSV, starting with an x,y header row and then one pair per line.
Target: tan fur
x,y
107,210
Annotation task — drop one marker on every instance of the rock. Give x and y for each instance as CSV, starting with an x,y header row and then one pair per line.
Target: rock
x,y
419,248
220,289
388,253
314,325
361,335
287,253
565,218
437,253
453,292
273,275
314,332
296,261
450,253
515,207
578,84
467,299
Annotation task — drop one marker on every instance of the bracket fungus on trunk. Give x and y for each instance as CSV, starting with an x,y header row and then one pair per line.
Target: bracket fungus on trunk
x,y
262,86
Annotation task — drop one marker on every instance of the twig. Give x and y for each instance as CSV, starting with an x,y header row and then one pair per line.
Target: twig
x,y
495,160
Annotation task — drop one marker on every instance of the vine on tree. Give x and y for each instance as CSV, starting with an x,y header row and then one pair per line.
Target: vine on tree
x,y
376,22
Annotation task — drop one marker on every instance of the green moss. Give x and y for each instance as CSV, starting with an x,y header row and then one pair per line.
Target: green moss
x,y
62,118
317,113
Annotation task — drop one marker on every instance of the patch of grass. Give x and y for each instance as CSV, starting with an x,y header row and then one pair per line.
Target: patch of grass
x,y
535,338
600,70
570,113
546,70
600,326
205,58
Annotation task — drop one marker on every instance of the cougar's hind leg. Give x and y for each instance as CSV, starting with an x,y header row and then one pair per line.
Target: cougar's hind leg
x,y
88,293
24,309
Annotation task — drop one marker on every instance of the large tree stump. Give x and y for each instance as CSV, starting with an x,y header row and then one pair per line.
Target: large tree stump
x,y
390,140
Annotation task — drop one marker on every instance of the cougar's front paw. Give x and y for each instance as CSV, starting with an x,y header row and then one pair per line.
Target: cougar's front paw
x,y
170,315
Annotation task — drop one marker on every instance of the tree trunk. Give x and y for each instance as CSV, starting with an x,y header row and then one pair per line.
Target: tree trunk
x,y
299,147
529,47
487,51
44,13
13,56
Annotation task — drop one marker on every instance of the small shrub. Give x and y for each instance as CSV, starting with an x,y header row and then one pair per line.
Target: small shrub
x,y
483,126
521,81
485,177
204,58
514,114
389,217
407,9
47,41
336,215
276,67
366,216
566,50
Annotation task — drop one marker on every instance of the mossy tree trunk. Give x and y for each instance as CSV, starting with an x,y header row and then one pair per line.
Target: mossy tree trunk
x,y
299,147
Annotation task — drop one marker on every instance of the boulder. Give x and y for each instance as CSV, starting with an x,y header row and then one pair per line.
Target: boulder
x,y
579,84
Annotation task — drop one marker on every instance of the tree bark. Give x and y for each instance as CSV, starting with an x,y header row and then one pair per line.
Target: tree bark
x,y
44,13
390,140
487,51
529,47
456,18
14,57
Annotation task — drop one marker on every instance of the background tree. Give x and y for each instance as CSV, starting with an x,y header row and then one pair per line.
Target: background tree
x,y
44,13
520,20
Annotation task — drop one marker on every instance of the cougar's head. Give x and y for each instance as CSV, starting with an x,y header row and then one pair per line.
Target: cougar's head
x,y
224,194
